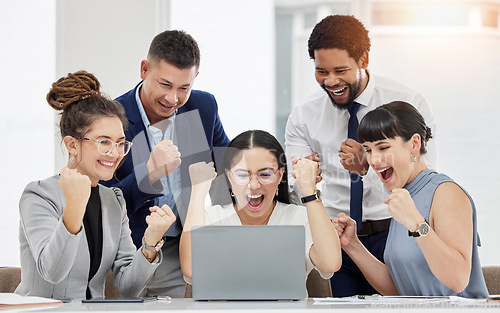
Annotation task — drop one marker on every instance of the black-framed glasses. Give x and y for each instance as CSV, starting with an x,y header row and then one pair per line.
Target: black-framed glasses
x,y
267,176
105,146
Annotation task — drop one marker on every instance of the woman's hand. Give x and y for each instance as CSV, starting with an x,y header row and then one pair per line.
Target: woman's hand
x,y
374,271
159,221
315,157
346,230
305,172
202,174
76,190
75,186
403,209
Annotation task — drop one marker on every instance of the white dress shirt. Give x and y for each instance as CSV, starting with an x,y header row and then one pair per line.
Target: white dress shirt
x,y
318,126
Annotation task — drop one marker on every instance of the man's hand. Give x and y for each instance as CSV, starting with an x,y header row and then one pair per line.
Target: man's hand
x,y
164,159
313,157
352,157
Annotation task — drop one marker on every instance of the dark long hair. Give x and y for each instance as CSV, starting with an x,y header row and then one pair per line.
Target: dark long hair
x,y
395,119
248,140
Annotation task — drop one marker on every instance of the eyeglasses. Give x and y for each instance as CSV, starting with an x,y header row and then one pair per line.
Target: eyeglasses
x,y
265,177
105,146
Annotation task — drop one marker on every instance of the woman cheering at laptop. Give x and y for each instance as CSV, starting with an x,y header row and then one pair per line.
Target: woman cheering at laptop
x,y
255,169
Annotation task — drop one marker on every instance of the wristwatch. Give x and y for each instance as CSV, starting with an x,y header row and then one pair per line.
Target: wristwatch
x,y
422,230
155,248
316,196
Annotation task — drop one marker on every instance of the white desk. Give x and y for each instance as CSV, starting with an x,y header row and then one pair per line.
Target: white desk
x,y
305,306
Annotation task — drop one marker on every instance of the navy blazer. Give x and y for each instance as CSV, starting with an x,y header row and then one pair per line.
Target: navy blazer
x,y
197,117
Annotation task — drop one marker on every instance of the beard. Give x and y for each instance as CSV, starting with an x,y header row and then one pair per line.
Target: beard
x,y
354,90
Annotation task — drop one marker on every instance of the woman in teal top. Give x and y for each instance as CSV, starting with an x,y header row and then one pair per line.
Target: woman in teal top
x,y
431,248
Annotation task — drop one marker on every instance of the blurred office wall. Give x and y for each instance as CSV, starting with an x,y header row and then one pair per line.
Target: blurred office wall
x,y
448,51
27,126
255,62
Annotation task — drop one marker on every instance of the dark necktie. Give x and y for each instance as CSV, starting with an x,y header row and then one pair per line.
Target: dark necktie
x,y
356,180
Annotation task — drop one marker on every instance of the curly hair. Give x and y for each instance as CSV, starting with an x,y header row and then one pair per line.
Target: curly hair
x,y
80,101
175,47
343,32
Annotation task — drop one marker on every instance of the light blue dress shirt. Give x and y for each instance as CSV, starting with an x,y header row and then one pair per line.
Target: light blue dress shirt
x,y
171,183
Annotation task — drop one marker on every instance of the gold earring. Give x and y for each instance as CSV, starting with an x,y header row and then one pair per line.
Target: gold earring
x,y
277,191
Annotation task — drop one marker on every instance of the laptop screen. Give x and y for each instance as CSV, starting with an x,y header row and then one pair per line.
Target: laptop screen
x,y
249,262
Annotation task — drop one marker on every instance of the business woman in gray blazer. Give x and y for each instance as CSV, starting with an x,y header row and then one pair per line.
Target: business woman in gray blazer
x,y
73,230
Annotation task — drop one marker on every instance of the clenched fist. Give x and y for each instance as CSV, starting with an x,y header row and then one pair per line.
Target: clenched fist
x,y
402,208
305,172
352,157
76,189
346,230
159,221
201,175
164,159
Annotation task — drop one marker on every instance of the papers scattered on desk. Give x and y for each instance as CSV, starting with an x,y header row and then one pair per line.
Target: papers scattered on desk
x,y
347,300
378,301
8,300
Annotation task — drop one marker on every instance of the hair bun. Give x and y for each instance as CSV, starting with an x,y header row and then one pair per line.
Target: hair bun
x,y
428,134
72,88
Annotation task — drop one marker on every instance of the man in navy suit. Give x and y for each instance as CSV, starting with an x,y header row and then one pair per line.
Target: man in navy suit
x,y
168,122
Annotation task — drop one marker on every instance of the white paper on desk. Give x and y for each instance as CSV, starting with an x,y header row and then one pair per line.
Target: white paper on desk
x,y
444,301
411,298
346,300
467,302
380,300
455,301
414,299
15,299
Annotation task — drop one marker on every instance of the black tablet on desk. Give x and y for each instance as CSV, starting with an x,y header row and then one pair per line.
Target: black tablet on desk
x,y
118,300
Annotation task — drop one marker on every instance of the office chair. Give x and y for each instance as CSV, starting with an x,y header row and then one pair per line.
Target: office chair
x,y
10,277
492,278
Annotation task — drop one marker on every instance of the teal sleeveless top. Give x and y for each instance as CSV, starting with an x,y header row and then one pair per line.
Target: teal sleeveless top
x,y
404,259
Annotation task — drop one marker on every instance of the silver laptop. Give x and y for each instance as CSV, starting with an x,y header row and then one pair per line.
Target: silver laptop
x,y
249,263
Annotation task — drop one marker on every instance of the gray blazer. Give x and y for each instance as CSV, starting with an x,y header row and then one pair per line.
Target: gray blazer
x,y
55,263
